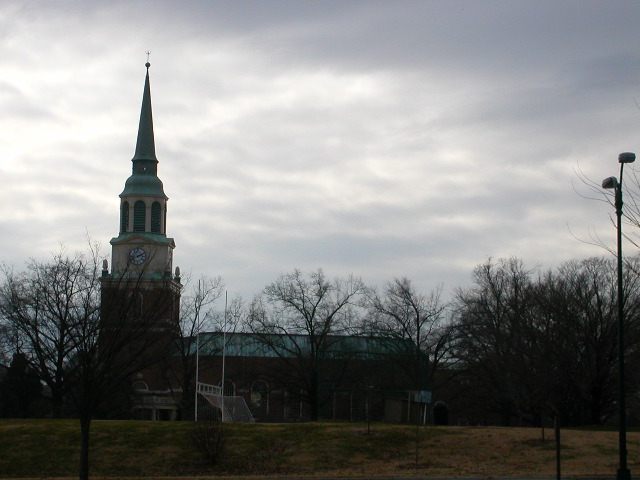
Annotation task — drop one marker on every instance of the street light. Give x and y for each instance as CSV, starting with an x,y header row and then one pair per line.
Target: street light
x,y
613,183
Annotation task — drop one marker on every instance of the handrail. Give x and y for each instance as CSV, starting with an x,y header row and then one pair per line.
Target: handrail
x,y
209,389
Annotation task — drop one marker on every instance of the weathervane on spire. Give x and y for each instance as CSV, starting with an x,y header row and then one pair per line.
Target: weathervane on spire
x,y
148,52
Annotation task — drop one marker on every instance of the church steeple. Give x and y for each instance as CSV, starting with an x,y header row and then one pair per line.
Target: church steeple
x,y
144,179
145,146
142,242
140,290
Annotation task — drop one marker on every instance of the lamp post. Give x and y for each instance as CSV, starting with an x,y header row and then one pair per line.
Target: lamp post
x,y
613,183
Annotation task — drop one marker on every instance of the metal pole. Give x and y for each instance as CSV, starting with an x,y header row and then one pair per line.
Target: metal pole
x,y
197,379
224,354
623,472
613,183
197,356
556,428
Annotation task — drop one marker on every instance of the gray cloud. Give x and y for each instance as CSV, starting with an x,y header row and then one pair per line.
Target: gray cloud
x,y
368,137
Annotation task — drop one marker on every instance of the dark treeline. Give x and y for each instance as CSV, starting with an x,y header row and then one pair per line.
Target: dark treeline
x,y
518,347
532,346
76,341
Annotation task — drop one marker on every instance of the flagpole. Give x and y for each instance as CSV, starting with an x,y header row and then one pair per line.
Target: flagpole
x,y
197,356
224,351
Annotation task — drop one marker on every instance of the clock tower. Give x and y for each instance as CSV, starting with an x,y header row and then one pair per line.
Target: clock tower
x,y
141,294
142,247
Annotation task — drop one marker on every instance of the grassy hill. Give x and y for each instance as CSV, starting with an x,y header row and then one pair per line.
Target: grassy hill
x,y
49,448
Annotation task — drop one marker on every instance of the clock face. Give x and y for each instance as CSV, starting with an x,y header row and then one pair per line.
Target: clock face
x,y
137,256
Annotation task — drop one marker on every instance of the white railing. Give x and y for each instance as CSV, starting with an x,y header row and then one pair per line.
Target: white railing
x,y
232,408
208,389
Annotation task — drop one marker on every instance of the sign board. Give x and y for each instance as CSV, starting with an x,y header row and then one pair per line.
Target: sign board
x,y
423,396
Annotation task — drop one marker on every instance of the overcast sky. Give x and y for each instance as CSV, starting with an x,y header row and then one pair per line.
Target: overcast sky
x,y
378,138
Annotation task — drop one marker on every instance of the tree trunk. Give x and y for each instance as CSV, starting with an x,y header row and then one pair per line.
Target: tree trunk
x,y
314,396
56,404
85,424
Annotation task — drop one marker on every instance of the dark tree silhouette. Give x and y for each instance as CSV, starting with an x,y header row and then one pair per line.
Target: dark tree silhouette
x,y
299,320
543,346
419,321
83,341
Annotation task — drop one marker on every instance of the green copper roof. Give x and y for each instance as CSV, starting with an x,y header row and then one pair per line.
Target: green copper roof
x,y
145,146
141,184
144,179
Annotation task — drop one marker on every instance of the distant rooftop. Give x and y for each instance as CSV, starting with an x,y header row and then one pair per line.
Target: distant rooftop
x,y
280,345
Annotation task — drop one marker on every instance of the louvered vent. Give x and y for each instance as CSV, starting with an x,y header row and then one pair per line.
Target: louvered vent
x,y
124,217
139,216
156,212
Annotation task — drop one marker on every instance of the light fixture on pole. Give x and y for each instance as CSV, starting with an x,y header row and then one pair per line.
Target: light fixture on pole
x,y
615,184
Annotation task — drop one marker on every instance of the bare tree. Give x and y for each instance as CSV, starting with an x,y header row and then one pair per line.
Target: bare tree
x,y
85,341
43,305
592,190
492,332
401,312
629,189
580,301
546,346
298,318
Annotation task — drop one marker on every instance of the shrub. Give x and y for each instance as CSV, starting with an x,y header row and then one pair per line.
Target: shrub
x,y
209,438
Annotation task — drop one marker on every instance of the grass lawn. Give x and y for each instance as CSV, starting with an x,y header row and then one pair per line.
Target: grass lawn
x,y
49,448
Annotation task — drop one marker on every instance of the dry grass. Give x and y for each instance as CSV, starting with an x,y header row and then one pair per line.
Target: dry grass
x,y
47,449
390,451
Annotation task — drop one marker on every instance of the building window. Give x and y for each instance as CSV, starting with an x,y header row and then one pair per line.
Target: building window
x,y
139,216
140,385
156,215
259,399
124,217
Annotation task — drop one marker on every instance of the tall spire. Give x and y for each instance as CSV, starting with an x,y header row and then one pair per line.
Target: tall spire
x,y
145,146
144,175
